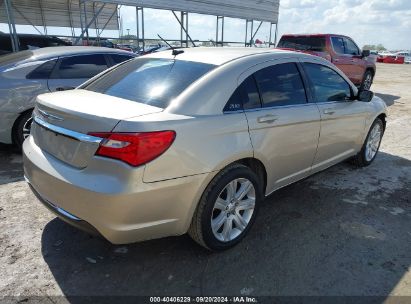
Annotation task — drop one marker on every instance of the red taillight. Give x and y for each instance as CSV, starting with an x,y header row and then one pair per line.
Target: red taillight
x,y
134,148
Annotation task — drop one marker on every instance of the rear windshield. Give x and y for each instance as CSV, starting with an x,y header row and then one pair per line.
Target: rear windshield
x,y
15,57
303,43
151,81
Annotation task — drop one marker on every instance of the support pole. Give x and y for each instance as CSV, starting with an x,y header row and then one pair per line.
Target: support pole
x,y
142,28
84,30
27,20
43,20
140,18
12,27
220,19
183,28
276,34
252,38
70,18
137,29
85,21
108,21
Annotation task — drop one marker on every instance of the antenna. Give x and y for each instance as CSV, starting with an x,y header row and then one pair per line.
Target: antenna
x,y
175,52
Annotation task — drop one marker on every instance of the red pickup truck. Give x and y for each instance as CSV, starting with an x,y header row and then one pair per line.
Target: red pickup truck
x,y
358,65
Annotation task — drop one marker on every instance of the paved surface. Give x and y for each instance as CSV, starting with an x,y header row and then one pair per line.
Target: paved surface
x,y
344,231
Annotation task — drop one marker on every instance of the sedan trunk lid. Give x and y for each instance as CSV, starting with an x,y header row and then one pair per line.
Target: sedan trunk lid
x,y
62,121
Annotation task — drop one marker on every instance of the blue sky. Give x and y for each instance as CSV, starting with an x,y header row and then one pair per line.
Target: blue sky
x,y
368,22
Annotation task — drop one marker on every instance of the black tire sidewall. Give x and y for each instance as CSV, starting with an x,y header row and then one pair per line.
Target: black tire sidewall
x,y
363,150
210,240
18,137
368,72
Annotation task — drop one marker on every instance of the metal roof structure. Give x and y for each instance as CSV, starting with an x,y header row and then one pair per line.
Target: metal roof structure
x,y
104,14
258,10
60,13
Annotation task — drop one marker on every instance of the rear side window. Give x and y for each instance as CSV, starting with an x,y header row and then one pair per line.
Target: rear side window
x,y
152,81
328,85
78,67
246,96
119,58
43,71
302,43
281,85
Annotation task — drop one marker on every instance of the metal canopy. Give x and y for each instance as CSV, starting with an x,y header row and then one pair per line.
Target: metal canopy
x,y
60,13
259,10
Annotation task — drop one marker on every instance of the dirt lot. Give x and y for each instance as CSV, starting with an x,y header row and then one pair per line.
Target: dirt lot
x,y
341,232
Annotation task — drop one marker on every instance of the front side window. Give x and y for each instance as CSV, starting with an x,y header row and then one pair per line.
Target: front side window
x,y
80,67
350,47
281,85
152,81
328,85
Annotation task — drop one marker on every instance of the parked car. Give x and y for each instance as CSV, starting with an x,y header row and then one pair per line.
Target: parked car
x,y
192,142
393,57
29,42
340,50
24,75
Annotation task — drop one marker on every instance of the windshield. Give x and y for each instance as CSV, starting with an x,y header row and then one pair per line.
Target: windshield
x,y
151,81
303,43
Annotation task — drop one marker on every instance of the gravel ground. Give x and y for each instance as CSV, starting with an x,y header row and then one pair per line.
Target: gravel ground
x,y
344,231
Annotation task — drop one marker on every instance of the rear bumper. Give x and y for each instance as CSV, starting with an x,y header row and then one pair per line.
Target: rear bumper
x,y
110,197
63,214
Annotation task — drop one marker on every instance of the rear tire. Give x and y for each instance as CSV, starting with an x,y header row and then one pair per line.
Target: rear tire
x,y
367,81
21,129
371,145
223,217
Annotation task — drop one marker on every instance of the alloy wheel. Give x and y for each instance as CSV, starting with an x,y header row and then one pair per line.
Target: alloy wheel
x,y
367,81
27,128
373,142
233,209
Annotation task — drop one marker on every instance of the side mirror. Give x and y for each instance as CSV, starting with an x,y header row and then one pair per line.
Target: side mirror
x,y
365,96
366,53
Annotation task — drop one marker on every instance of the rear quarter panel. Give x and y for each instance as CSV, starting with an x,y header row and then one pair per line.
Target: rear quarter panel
x,y
203,144
18,94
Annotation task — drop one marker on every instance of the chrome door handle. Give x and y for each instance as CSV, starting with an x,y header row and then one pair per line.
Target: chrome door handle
x,y
267,118
329,111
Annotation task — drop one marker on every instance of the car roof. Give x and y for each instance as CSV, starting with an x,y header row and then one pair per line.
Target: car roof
x,y
314,35
57,51
218,55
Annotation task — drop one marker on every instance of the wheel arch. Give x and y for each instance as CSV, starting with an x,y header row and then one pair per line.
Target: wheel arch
x,y
371,69
16,121
383,117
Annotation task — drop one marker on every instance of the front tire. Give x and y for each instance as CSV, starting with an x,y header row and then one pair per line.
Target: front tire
x,y
371,145
367,81
227,208
21,129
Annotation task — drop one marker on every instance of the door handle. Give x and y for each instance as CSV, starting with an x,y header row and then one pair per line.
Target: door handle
x,y
269,118
64,88
329,111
